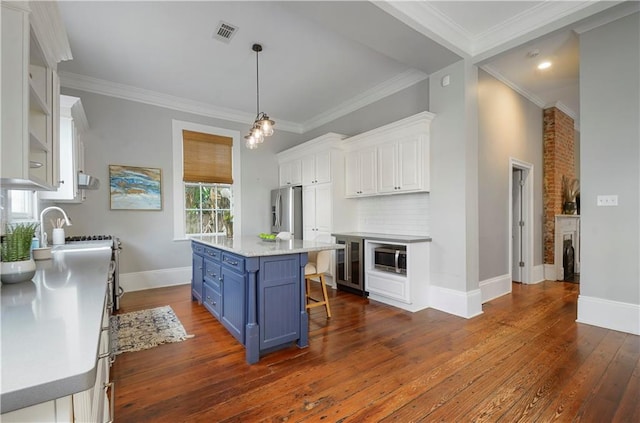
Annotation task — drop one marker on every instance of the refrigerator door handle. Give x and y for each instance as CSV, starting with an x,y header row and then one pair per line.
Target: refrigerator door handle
x,y
278,203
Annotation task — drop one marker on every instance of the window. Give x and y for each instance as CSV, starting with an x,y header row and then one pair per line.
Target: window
x,y
205,207
21,205
200,203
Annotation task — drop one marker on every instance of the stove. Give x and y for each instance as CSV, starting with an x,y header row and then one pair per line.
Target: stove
x,y
114,268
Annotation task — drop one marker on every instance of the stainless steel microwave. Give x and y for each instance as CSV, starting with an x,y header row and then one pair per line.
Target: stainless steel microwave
x,y
391,258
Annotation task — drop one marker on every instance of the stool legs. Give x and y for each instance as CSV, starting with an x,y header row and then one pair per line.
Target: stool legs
x,y
317,303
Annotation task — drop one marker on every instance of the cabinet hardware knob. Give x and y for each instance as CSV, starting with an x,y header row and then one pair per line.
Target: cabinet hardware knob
x,y
61,182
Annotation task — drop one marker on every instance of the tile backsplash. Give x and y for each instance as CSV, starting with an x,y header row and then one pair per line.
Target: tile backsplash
x,y
402,214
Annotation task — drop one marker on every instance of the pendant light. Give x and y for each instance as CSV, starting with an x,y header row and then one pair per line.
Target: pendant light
x,y
262,126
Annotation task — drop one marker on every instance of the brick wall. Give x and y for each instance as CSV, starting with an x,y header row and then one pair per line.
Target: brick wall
x,y
558,160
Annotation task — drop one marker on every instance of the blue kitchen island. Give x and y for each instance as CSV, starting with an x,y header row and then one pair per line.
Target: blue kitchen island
x,y
255,288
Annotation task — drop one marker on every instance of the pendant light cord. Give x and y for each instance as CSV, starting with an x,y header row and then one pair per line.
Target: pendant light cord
x,y
257,85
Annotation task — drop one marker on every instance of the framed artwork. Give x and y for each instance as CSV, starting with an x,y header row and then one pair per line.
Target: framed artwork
x,y
135,188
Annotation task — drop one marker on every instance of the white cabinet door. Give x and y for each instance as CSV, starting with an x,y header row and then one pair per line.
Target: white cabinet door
x,y
316,168
317,210
324,208
368,171
360,178
308,170
323,167
387,168
410,164
291,173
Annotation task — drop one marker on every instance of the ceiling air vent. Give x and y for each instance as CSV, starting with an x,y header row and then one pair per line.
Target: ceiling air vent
x,y
225,31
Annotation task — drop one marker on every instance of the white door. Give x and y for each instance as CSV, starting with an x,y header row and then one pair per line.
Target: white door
x,y
308,170
368,171
308,212
323,167
323,208
387,170
352,174
409,159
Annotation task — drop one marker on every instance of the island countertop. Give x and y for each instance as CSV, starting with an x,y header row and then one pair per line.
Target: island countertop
x,y
386,237
51,327
255,247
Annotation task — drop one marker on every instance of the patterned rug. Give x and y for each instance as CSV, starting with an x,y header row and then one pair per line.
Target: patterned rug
x,y
144,329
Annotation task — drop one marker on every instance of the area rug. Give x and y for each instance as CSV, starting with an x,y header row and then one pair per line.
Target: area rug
x,y
144,329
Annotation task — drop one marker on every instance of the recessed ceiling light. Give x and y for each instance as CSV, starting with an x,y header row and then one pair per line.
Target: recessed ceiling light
x,y
544,65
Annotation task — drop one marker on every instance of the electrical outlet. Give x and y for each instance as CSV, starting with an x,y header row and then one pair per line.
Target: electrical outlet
x,y
607,200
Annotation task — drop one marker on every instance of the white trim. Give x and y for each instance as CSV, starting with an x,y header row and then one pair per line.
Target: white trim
x,y
537,274
528,213
495,287
550,272
154,98
139,281
178,191
565,109
526,94
459,303
616,315
412,307
617,13
49,29
380,91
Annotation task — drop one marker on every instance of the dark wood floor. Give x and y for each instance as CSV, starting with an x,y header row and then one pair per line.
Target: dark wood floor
x,y
525,359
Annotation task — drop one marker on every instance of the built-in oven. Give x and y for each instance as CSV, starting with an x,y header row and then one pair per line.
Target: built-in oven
x,y
350,265
391,258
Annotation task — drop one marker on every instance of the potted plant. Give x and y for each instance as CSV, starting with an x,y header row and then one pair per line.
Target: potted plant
x,y
15,253
570,190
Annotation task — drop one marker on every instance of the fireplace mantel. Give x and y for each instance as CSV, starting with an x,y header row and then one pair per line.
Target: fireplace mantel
x,y
566,225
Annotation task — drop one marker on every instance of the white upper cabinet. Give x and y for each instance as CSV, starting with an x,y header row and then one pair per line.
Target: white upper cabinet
x,y
392,159
361,172
316,168
33,42
73,126
291,173
400,166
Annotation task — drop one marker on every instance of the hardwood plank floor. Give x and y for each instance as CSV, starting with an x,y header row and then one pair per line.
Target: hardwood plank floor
x,y
524,359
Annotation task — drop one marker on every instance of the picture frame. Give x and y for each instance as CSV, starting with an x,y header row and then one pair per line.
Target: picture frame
x,y
135,188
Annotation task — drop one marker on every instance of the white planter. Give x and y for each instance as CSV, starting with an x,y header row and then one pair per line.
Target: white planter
x,y
17,271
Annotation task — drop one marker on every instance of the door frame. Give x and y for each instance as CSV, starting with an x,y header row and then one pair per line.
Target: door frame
x,y
527,215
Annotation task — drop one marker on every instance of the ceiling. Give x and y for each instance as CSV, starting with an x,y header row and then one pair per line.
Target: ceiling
x,y
321,60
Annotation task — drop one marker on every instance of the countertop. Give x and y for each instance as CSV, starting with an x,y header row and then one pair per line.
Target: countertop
x,y
386,237
255,247
51,326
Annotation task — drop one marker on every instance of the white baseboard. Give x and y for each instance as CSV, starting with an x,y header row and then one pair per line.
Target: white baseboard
x,y
459,303
138,281
537,274
550,272
616,315
495,287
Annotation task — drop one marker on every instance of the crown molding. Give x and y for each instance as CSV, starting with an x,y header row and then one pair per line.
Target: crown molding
x,y
564,108
50,32
380,91
626,9
526,94
140,95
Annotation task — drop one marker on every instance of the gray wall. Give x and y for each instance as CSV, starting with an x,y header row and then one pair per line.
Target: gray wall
x,y
610,160
509,125
454,173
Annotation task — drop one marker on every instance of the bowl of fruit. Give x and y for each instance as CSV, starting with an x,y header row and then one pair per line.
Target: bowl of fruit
x,y
268,237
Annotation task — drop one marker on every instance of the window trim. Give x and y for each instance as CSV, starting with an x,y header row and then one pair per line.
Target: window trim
x,y
178,185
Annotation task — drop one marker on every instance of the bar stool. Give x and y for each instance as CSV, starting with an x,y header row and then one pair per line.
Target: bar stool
x,y
318,264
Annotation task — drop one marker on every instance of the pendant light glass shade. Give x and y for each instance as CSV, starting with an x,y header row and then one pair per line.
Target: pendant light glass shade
x,y
262,125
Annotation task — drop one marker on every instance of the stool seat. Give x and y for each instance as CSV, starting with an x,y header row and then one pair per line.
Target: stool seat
x,y
315,269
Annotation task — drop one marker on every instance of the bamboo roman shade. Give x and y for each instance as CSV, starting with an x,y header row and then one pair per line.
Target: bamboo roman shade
x,y
207,158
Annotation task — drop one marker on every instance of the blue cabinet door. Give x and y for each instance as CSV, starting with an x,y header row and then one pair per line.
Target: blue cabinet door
x,y
233,309
197,269
279,300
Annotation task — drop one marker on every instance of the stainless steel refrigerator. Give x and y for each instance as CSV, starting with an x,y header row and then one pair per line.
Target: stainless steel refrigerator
x,y
286,211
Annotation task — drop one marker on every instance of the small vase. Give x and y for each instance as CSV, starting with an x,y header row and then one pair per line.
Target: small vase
x,y
569,207
228,226
18,271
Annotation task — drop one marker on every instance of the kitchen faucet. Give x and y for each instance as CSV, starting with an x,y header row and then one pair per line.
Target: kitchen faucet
x,y
42,213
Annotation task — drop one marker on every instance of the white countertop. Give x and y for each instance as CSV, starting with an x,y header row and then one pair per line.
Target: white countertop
x,y
255,247
386,237
51,326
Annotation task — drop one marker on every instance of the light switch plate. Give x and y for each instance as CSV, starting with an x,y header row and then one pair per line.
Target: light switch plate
x,y
607,200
